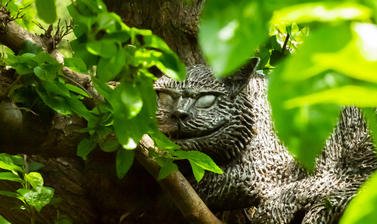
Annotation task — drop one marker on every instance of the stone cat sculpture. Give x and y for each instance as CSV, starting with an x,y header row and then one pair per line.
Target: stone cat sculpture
x,y
230,120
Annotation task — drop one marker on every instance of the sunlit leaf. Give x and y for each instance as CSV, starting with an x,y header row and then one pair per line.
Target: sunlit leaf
x,y
7,163
37,199
200,159
197,171
128,97
128,131
321,11
163,142
109,21
35,180
10,176
76,64
358,59
3,220
230,33
363,96
304,127
168,62
362,209
76,89
302,65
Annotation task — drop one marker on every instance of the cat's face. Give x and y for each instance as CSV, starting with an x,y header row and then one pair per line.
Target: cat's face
x,y
203,113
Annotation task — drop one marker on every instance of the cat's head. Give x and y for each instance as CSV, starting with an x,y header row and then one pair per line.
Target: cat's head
x,y
207,114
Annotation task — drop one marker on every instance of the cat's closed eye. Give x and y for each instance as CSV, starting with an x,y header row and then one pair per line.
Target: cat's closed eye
x,y
165,98
205,101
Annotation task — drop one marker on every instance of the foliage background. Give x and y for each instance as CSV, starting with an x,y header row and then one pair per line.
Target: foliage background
x,y
318,56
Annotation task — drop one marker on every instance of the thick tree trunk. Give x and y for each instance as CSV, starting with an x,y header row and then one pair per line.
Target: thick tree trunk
x,y
174,21
88,191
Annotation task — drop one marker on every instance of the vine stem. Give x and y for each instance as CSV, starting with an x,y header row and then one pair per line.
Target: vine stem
x,y
285,44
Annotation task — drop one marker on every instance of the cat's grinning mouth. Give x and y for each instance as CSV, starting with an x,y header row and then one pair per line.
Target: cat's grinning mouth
x,y
181,135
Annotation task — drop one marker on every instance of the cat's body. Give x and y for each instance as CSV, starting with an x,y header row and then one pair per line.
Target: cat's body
x,y
230,121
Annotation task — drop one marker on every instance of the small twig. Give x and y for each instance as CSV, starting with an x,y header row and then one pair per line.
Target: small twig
x,y
26,164
28,110
40,26
285,44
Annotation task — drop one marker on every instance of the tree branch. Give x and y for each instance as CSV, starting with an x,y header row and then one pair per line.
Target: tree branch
x,y
176,185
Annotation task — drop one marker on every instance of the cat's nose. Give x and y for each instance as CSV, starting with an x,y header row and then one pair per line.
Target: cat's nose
x,y
180,114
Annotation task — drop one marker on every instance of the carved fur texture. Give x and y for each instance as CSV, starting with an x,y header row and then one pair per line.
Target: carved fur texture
x,y
235,128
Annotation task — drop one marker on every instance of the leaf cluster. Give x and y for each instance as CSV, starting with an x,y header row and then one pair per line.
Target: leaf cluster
x,y
120,60
320,56
32,193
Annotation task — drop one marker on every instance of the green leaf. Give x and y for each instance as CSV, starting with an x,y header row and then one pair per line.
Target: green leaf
x,y
76,64
168,62
109,68
109,21
128,131
55,87
358,58
230,32
10,176
200,159
303,65
79,108
110,145
30,47
43,74
104,48
7,163
304,127
167,167
46,10
127,98
9,194
37,199
321,11
85,147
363,208
76,89
80,51
103,89
57,103
23,64
124,161
163,142
3,220
197,171
363,96
35,180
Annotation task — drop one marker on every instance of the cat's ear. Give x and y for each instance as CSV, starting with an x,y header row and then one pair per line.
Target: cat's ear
x,y
240,79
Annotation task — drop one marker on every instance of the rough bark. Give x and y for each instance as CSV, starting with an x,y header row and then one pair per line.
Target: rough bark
x,y
174,21
89,191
